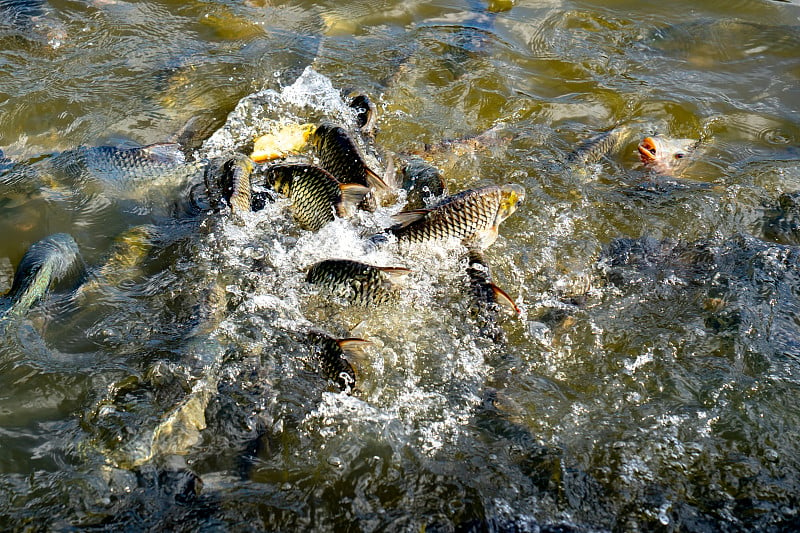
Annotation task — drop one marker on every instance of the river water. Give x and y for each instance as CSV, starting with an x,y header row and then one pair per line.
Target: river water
x,y
649,381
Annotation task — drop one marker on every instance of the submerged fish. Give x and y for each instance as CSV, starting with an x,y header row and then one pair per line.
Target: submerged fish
x,y
487,298
333,358
339,155
315,194
228,183
46,262
128,253
666,156
784,227
127,171
483,290
421,181
358,283
473,216
599,146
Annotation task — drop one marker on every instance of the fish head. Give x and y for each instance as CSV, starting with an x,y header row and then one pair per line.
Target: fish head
x,y
665,156
511,195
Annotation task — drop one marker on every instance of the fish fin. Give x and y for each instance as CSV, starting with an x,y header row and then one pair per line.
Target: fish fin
x,y
405,218
352,195
395,274
390,176
504,299
375,181
353,348
164,152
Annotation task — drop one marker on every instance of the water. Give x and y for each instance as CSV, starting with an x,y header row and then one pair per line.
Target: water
x,y
648,384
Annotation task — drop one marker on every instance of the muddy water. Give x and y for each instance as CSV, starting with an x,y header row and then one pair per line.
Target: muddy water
x,y
649,382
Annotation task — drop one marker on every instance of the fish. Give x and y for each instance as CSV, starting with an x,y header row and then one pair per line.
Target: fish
x,y
286,140
317,197
356,282
473,216
784,227
339,155
46,262
365,111
124,261
421,181
485,293
599,146
228,183
333,354
666,156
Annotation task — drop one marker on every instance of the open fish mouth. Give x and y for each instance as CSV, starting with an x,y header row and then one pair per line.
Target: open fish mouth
x,y
647,150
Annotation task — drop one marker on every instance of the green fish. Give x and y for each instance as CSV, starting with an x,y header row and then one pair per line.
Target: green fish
x,y
45,263
472,216
421,181
228,183
333,358
599,146
358,283
339,155
317,197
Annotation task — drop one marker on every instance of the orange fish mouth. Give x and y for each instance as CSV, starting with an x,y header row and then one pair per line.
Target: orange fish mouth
x,y
647,150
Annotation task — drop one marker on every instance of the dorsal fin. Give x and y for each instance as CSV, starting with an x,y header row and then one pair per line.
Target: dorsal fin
x,y
405,218
353,348
164,152
375,181
503,299
395,274
352,195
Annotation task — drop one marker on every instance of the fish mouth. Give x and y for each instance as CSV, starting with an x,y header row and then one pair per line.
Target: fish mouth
x,y
647,150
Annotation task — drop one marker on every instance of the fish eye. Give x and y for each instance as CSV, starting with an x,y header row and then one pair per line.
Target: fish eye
x,y
680,155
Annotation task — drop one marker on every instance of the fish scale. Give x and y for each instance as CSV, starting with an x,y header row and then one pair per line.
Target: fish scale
x,y
356,282
461,216
315,194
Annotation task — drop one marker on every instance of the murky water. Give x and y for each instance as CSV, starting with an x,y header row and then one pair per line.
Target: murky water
x,y
649,383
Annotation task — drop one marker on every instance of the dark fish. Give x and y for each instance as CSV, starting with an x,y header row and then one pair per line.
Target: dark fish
x,y
485,293
316,195
784,227
358,283
421,181
599,146
228,183
332,355
46,262
339,155
473,216
365,111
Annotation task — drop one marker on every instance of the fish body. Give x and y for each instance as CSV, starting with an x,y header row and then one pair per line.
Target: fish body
x,y
472,216
141,173
421,181
287,139
46,262
487,298
666,156
317,197
333,354
356,282
599,146
785,226
364,110
228,183
339,155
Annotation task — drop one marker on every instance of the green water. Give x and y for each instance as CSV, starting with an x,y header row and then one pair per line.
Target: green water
x,y
650,391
